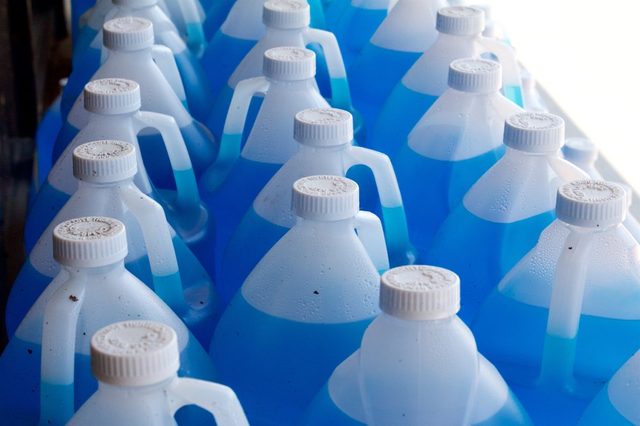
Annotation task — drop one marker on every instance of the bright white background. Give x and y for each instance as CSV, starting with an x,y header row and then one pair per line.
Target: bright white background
x,y
586,54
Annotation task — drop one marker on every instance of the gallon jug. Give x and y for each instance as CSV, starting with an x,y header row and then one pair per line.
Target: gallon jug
x,y
46,135
407,31
566,317
584,153
354,22
113,106
195,83
325,137
132,55
452,145
287,24
45,367
417,364
460,30
501,217
235,179
240,31
217,12
105,171
617,403
304,307
135,363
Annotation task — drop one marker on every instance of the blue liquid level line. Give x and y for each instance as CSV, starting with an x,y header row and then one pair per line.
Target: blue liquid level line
x,y
45,206
340,94
53,398
276,365
220,59
514,93
401,112
397,236
432,188
252,239
217,118
457,247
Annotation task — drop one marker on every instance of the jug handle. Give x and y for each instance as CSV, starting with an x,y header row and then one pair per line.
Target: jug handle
x,y
58,349
217,399
163,57
196,39
370,233
187,198
401,251
565,307
340,92
231,140
507,58
150,216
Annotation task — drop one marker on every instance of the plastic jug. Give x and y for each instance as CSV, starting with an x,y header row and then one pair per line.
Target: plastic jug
x,y
584,153
114,114
136,363
460,30
617,403
133,56
196,85
46,135
407,31
531,96
287,24
217,12
157,256
452,146
78,8
92,289
417,364
325,137
304,307
235,179
237,35
501,217
566,317
354,22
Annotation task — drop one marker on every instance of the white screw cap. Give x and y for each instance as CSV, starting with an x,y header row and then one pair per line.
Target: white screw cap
x,y
89,242
135,353
127,34
286,14
420,292
111,96
323,127
289,63
326,198
580,150
592,203
460,20
135,4
535,132
475,75
105,161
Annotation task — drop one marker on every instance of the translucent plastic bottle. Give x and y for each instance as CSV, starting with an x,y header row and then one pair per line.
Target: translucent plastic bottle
x,y
417,364
136,363
452,145
240,31
460,36
287,24
354,22
567,317
133,56
617,403
46,135
501,217
196,85
216,14
93,289
304,307
584,153
157,256
407,31
235,179
113,106
325,137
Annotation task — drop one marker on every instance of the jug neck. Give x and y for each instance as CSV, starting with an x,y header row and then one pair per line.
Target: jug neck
x,y
328,226
308,84
114,119
130,57
311,149
284,34
100,271
132,390
95,186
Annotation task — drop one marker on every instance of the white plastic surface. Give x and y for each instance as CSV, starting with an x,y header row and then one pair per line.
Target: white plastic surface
x,y
624,389
461,125
244,20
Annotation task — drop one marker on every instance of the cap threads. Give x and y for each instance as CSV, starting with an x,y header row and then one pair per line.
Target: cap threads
x,y
289,64
534,132
110,96
460,21
325,197
286,14
127,34
89,242
104,161
592,203
475,75
323,127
